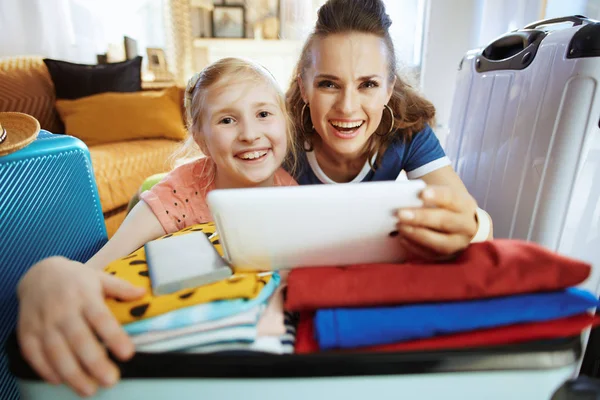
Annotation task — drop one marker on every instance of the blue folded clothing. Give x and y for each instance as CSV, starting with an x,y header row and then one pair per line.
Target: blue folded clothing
x,y
356,327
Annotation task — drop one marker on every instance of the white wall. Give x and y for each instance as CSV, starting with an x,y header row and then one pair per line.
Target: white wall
x,y
454,27
448,34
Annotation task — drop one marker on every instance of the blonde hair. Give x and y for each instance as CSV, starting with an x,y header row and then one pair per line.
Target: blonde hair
x,y
218,74
411,110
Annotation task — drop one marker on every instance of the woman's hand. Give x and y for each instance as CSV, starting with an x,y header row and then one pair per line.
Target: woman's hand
x,y
445,225
61,314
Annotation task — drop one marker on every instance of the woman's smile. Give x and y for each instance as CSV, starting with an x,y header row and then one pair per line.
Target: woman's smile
x,y
346,129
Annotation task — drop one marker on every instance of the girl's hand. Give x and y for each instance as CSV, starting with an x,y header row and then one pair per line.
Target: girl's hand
x,y
445,225
62,314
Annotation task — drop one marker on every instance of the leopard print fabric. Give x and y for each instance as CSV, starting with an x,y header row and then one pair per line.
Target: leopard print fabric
x,y
134,269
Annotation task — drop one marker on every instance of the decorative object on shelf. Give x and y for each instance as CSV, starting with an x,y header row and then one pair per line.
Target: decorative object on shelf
x,y
101,59
115,52
270,28
263,18
201,19
157,65
229,22
131,48
156,59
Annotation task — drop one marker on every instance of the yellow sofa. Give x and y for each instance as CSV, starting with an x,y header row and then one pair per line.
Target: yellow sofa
x,y
119,168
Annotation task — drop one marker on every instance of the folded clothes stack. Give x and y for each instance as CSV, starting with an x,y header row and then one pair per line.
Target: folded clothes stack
x,y
495,293
241,313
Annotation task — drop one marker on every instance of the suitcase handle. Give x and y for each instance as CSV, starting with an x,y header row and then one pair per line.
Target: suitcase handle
x,y
510,45
575,19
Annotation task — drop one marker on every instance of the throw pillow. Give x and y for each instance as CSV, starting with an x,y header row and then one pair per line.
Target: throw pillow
x,y
72,81
112,117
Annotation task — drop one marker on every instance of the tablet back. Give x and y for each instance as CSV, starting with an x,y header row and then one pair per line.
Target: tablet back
x,y
313,225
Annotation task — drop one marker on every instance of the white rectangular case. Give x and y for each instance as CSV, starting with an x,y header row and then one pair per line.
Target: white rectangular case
x,y
524,135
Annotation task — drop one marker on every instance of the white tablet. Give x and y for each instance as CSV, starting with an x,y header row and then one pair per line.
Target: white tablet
x,y
312,225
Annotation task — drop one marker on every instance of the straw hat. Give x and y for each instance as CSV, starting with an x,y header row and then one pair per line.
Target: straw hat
x,y
17,130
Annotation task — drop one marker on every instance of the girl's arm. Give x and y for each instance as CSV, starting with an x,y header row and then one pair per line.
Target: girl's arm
x,y
64,326
139,227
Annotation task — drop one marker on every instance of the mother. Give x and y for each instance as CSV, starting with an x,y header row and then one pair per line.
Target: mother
x,y
360,121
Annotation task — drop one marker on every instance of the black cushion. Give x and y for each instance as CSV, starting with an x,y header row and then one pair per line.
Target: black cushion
x,y
72,81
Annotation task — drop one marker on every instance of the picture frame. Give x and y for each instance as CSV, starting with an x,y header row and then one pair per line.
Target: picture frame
x,y
157,65
235,2
156,59
229,21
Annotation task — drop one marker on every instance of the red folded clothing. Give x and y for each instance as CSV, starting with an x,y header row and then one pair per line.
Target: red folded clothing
x,y
558,328
494,268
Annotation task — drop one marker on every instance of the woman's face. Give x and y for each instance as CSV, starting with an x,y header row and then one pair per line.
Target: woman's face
x,y
346,88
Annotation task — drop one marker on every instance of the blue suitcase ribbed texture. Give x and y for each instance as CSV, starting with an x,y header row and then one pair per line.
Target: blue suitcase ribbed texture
x,y
49,205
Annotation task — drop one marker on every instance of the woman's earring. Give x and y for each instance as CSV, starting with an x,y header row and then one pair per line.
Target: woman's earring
x,y
308,145
304,107
385,106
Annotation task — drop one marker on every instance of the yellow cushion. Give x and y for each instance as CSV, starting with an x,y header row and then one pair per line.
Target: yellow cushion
x,y
133,268
120,168
112,117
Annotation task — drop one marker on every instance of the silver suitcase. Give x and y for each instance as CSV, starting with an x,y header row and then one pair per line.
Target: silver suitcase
x,y
525,137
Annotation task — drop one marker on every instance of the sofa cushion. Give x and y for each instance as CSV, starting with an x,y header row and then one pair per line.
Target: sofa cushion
x,y
26,86
121,168
114,117
73,81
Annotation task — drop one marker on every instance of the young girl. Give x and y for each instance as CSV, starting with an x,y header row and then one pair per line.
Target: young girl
x,y
236,115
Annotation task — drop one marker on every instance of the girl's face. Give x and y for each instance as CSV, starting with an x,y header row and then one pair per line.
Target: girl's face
x,y
346,88
244,132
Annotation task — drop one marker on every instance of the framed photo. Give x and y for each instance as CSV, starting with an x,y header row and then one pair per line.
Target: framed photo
x,y
157,65
156,59
235,2
228,22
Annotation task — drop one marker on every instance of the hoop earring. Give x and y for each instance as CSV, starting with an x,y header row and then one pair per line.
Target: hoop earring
x,y
308,145
304,107
385,106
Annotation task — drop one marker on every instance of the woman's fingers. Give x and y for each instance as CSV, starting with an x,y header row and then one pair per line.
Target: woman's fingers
x,y
446,197
441,243
437,219
65,364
